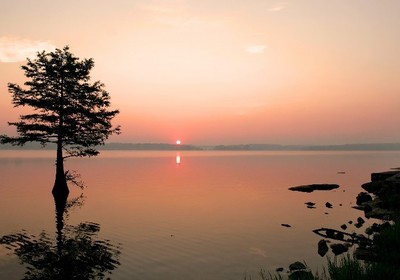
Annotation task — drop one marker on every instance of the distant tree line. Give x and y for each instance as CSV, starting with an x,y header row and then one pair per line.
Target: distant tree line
x,y
243,147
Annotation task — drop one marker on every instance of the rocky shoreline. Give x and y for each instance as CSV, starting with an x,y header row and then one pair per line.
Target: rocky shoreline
x,y
381,201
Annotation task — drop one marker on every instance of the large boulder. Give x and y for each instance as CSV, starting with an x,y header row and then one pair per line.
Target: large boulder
x,y
372,187
380,176
363,197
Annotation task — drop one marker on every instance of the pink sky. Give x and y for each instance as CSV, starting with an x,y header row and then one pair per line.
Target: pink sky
x,y
213,72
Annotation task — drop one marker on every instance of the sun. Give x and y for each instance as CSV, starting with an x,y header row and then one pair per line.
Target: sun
x,y
178,142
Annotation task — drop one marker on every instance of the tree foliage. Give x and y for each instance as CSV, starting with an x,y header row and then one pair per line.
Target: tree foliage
x,y
68,109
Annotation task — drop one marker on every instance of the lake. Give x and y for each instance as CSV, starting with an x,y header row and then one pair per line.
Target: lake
x,y
188,215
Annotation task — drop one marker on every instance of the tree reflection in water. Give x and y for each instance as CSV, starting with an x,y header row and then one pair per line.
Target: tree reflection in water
x,y
77,252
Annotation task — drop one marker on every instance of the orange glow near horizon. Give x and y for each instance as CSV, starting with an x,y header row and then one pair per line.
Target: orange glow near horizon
x,y
215,74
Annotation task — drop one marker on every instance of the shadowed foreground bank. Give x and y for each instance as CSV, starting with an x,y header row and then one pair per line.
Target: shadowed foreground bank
x,y
377,254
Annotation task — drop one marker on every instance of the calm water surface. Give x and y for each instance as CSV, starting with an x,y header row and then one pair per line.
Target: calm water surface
x,y
190,215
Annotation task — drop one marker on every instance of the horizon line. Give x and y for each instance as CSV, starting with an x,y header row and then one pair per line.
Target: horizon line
x,y
388,146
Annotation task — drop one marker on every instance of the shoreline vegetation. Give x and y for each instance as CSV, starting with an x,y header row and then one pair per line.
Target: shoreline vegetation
x,y
240,147
376,254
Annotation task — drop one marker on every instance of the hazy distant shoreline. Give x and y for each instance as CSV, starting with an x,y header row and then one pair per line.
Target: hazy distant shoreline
x,y
241,147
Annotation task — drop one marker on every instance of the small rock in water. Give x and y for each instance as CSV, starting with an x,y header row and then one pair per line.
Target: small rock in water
x,y
344,227
360,222
286,225
310,205
279,269
341,172
328,205
322,247
350,222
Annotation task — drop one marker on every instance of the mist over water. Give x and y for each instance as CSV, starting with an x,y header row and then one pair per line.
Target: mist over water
x,y
190,215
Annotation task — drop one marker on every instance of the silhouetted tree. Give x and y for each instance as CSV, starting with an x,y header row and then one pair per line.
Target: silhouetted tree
x,y
69,111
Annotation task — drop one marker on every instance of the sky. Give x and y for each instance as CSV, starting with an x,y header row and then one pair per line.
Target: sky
x,y
223,72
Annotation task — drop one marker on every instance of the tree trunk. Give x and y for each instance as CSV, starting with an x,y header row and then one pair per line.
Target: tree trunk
x,y
60,188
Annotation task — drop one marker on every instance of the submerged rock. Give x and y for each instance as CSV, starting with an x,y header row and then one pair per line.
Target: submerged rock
x,y
336,234
310,205
314,187
286,225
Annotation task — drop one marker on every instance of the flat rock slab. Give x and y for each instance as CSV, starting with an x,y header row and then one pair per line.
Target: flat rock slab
x,y
314,187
